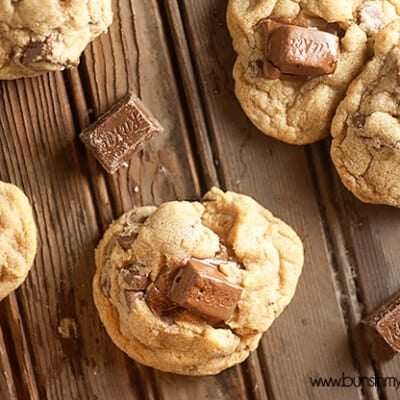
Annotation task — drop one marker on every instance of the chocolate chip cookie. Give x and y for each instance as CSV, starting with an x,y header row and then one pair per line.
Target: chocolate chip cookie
x,y
297,58
47,35
17,238
189,287
366,128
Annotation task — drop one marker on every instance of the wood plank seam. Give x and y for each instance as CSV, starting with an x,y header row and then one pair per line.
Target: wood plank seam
x,y
190,91
342,264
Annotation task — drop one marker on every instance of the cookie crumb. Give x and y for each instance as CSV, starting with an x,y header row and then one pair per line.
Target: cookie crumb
x,y
68,328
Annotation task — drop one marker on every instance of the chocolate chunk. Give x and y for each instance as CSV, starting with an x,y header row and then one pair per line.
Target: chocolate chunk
x,y
299,51
105,283
126,241
131,296
134,277
39,51
157,297
358,121
386,322
201,289
120,133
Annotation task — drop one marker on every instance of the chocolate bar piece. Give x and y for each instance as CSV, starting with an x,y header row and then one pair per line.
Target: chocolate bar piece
x,y
299,51
157,295
201,289
386,322
120,133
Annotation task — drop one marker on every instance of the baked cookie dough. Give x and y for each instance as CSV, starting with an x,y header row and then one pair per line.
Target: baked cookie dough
x,y
38,36
151,254
300,110
17,238
366,129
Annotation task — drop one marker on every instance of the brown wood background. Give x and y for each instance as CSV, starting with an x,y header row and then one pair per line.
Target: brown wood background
x,y
177,56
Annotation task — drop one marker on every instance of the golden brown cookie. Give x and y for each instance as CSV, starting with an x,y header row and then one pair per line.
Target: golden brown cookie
x,y
38,36
17,238
366,128
299,109
189,287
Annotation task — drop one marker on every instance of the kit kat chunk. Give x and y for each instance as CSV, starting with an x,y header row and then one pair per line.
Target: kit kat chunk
x,y
201,289
120,132
386,322
299,51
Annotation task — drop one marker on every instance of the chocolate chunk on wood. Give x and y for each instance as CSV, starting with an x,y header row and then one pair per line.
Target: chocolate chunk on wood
x,y
121,132
386,322
299,51
201,289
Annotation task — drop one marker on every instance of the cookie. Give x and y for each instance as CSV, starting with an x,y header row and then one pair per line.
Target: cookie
x,y
47,35
17,238
366,128
190,287
292,104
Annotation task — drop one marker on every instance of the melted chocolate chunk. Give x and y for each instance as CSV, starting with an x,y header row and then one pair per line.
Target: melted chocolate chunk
x,y
105,284
39,51
135,277
126,241
157,297
131,296
359,121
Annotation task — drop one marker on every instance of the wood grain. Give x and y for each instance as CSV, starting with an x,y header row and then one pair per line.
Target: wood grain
x,y
177,56
165,169
278,176
7,385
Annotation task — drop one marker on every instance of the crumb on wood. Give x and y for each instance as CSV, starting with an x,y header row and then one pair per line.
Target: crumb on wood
x,y
68,328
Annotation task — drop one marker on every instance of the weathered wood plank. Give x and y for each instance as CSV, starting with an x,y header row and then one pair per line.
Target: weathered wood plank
x,y
39,152
371,235
138,60
24,375
310,339
7,385
328,188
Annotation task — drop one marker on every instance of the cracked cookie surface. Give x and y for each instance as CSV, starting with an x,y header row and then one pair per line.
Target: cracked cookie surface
x,y
139,253
300,111
17,238
47,35
366,129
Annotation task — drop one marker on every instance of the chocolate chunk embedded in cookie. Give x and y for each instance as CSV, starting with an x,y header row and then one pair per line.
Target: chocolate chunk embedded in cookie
x,y
303,75
199,284
47,35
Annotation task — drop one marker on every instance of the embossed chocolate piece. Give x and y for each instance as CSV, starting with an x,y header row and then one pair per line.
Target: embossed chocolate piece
x,y
120,133
299,51
200,288
386,322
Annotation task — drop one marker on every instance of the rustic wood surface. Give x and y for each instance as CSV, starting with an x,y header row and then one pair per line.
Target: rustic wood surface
x,y
177,56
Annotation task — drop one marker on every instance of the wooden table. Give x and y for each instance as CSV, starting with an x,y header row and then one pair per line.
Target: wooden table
x,y
177,56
